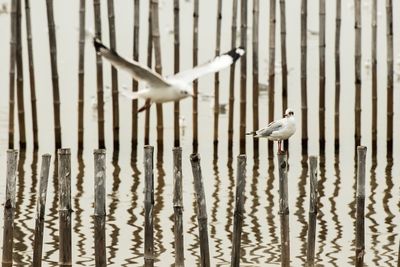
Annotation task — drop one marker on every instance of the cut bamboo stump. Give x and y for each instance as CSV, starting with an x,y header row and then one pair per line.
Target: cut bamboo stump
x,y
178,208
40,211
360,198
312,214
201,210
239,210
148,206
284,209
9,208
64,182
100,207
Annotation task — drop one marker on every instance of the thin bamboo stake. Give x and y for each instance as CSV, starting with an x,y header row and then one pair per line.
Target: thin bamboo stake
x,y
136,24
114,75
20,81
9,208
284,209
100,207
283,56
374,77
389,42
303,78
149,63
216,75
31,74
178,208
360,232
256,8
271,68
81,73
195,83
54,73
99,74
40,211
243,78
337,73
357,62
176,70
232,77
322,75
148,206
13,50
312,214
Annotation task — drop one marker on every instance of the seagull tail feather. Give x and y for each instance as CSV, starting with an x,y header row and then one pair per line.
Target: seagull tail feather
x,y
129,94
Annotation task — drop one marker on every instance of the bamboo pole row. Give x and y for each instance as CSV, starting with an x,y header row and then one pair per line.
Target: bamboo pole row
x,y
216,75
81,73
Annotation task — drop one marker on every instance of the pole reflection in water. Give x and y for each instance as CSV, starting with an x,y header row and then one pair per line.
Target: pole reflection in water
x,y
273,248
321,218
389,236
159,206
371,215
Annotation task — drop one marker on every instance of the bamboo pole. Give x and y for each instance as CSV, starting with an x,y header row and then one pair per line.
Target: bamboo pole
x,y
216,75
64,189
256,7
360,232
303,78
201,210
178,208
243,78
176,70
114,75
374,77
271,68
283,57
136,24
239,210
40,211
13,50
284,209
357,62
31,74
54,73
148,206
9,208
81,73
195,83
232,77
337,73
149,64
100,207
389,43
20,81
99,74
322,75
312,214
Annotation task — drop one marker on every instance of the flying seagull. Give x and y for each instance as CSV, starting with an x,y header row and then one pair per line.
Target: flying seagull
x,y
159,89
278,130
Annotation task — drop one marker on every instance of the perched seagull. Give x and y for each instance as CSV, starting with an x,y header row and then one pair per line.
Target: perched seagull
x,y
160,89
278,130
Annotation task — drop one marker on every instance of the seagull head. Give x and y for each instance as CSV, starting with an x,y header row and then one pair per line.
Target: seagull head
x,y
289,113
185,93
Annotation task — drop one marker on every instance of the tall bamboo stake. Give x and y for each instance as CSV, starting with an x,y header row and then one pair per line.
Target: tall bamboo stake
x,y
283,56
81,73
11,107
284,208
149,63
54,73
243,78
337,72
271,68
216,75
374,76
357,62
178,208
176,69
232,76
389,42
31,74
20,81
114,75
360,232
256,7
195,83
303,78
99,74
100,207
149,207
322,75
312,214
136,23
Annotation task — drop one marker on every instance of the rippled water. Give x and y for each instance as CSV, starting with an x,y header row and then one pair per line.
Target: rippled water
x,y
261,233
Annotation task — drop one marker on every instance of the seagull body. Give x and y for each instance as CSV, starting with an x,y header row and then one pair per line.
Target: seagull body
x,y
159,89
278,130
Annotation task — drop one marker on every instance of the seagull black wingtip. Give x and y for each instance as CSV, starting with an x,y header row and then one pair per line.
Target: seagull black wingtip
x,y
236,53
97,44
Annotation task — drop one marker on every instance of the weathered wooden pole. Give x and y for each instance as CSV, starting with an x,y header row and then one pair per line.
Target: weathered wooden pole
x,y
81,73
284,209
303,78
9,208
149,64
54,73
243,77
337,73
256,12
148,206
239,210
322,75
65,209
389,46
136,25
100,207
178,208
360,199
114,76
201,210
40,211
195,115
312,214
176,70
357,63
31,74
11,94
271,68
216,75
374,75
283,56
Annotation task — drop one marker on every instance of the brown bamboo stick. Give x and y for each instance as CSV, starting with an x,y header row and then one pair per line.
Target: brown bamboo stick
x,y
176,70
360,197
256,7
148,206
322,75
374,76
283,55
31,74
81,73
149,64
243,77
337,73
178,208
271,68
195,83
389,43
9,208
136,25
216,75
284,209
312,214
54,73
357,62
40,211
13,50
303,77
100,207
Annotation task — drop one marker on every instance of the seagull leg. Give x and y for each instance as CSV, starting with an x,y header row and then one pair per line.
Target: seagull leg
x,y
279,146
147,104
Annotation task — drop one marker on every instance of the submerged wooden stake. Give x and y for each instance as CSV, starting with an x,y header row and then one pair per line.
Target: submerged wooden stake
x,y
312,214
357,63
256,6
40,211
337,73
176,70
216,75
374,76
322,75
303,78
389,43
148,206
178,208
284,209
360,199
271,68
100,207
136,24
81,73
243,78
11,93
195,83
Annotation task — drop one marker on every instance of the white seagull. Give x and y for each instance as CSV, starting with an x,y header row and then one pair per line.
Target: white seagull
x,y
160,89
278,130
